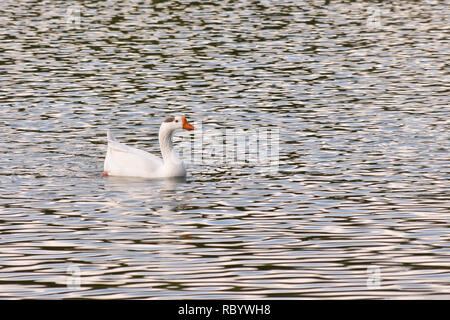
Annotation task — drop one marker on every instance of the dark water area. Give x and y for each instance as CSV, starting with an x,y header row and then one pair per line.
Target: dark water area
x,y
358,207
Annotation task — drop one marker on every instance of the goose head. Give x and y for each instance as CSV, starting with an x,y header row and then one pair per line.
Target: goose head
x,y
168,127
176,123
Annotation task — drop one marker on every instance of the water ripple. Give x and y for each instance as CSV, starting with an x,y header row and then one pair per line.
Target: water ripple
x,y
358,208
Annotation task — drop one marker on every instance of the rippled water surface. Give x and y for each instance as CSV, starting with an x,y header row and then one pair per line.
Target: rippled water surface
x,y
359,206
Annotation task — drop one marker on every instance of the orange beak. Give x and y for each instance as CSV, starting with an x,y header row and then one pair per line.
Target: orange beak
x,y
187,125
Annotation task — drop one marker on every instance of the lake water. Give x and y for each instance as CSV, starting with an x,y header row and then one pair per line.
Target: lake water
x,y
359,206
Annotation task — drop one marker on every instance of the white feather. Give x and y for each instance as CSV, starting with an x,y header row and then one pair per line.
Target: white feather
x,y
123,160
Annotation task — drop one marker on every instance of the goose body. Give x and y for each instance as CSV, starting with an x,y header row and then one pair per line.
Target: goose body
x,y
123,160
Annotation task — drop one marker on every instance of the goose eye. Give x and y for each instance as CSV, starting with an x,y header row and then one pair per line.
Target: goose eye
x,y
176,120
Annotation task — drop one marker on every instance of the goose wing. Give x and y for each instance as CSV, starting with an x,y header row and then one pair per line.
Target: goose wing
x,y
123,160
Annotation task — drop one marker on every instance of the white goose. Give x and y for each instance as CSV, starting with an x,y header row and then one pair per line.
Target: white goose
x,y
122,160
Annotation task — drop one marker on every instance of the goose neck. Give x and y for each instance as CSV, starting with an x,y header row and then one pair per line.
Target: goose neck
x,y
166,144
